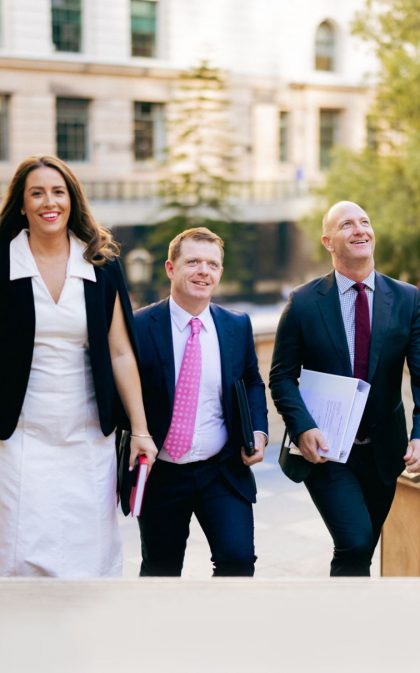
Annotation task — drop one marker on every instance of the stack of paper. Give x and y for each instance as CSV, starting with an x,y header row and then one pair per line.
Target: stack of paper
x,y
336,403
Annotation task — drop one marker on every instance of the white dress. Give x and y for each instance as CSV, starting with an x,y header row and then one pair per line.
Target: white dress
x,y
57,471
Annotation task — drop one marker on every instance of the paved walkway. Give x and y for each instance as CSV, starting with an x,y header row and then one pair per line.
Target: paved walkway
x,y
290,537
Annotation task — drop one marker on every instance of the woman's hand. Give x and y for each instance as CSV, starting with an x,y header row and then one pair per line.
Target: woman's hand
x,y
142,446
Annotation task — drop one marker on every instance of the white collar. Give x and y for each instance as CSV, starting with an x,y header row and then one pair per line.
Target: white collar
x,y
182,318
23,265
77,265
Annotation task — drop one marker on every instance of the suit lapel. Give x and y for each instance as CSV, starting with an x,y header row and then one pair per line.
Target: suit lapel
x,y
225,335
329,306
161,334
382,305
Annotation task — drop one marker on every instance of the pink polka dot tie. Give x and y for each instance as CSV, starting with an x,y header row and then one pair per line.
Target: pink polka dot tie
x,y
179,438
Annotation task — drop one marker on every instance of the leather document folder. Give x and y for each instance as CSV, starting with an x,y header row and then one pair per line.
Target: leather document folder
x,y
130,485
245,417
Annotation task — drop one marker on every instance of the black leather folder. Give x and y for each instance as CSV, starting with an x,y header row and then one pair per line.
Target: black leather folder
x,y
245,417
126,479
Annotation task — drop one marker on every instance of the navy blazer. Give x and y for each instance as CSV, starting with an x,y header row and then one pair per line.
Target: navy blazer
x,y
311,334
17,331
238,360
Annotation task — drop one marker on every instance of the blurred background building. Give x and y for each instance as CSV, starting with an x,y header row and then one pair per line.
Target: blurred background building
x,y
91,81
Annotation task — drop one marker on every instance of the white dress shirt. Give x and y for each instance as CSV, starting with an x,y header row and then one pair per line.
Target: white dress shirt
x,y
210,432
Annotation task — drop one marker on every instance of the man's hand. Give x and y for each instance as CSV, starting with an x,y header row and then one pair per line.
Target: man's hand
x,y
309,442
412,457
258,456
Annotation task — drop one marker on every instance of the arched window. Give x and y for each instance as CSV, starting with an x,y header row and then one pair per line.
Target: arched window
x,y
325,47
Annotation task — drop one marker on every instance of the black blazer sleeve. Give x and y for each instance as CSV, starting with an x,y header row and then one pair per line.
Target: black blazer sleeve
x,y
288,356
413,362
254,385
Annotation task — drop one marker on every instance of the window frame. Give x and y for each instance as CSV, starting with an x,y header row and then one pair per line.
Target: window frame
x,y
325,47
56,26
150,50
284,136
4,126
156,123
325,152
74,156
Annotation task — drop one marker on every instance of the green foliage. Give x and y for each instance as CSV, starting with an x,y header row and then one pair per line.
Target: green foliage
x,y
200,155
385,179
388,188
200,161
392,27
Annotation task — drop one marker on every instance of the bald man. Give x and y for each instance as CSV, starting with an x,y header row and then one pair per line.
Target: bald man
x,y
317,331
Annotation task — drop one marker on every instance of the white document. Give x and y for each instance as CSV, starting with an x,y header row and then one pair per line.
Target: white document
x,y
336,403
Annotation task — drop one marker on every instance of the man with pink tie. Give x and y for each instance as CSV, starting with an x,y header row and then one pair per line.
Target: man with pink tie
x,y
191,353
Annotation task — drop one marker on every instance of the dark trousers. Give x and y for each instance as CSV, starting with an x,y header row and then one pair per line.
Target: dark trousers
x,y
354,503
173,494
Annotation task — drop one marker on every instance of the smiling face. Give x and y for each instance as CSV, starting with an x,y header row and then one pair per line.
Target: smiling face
x,y
349,237
195,274
46,202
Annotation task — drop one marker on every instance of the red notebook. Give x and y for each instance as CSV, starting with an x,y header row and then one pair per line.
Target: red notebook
x,y
137,491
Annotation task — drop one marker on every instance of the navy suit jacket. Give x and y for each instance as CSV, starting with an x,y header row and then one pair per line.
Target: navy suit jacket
x,y
238,360
311,334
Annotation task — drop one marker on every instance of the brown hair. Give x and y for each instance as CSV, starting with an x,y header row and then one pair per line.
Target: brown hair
x,y
100,245
194,234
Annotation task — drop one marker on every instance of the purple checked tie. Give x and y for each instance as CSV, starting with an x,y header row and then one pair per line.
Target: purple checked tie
x,y
179,438
361,332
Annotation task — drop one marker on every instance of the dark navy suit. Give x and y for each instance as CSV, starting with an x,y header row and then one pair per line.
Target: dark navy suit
x,y
220,490
354,499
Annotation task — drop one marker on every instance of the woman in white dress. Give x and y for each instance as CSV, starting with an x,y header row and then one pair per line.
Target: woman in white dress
x,y
68,372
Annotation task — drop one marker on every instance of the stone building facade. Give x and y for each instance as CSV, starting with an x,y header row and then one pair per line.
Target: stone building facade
x,y
90,80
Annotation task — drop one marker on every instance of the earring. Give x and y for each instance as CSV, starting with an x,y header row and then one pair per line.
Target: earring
x,y
22,211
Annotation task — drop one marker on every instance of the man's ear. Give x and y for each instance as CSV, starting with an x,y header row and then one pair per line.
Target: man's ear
x,y
326,242
169,268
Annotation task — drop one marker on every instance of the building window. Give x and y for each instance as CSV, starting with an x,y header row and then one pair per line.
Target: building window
x,y
149,131
325,47
143,27
67,24
329,131
4,127
72,129
284,136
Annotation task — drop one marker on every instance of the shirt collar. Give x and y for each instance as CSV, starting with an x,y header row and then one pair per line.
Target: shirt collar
x,y
23,265
78,266
181,318
344,284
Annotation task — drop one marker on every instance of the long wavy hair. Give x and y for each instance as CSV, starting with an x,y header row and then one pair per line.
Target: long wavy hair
x,y
101,246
